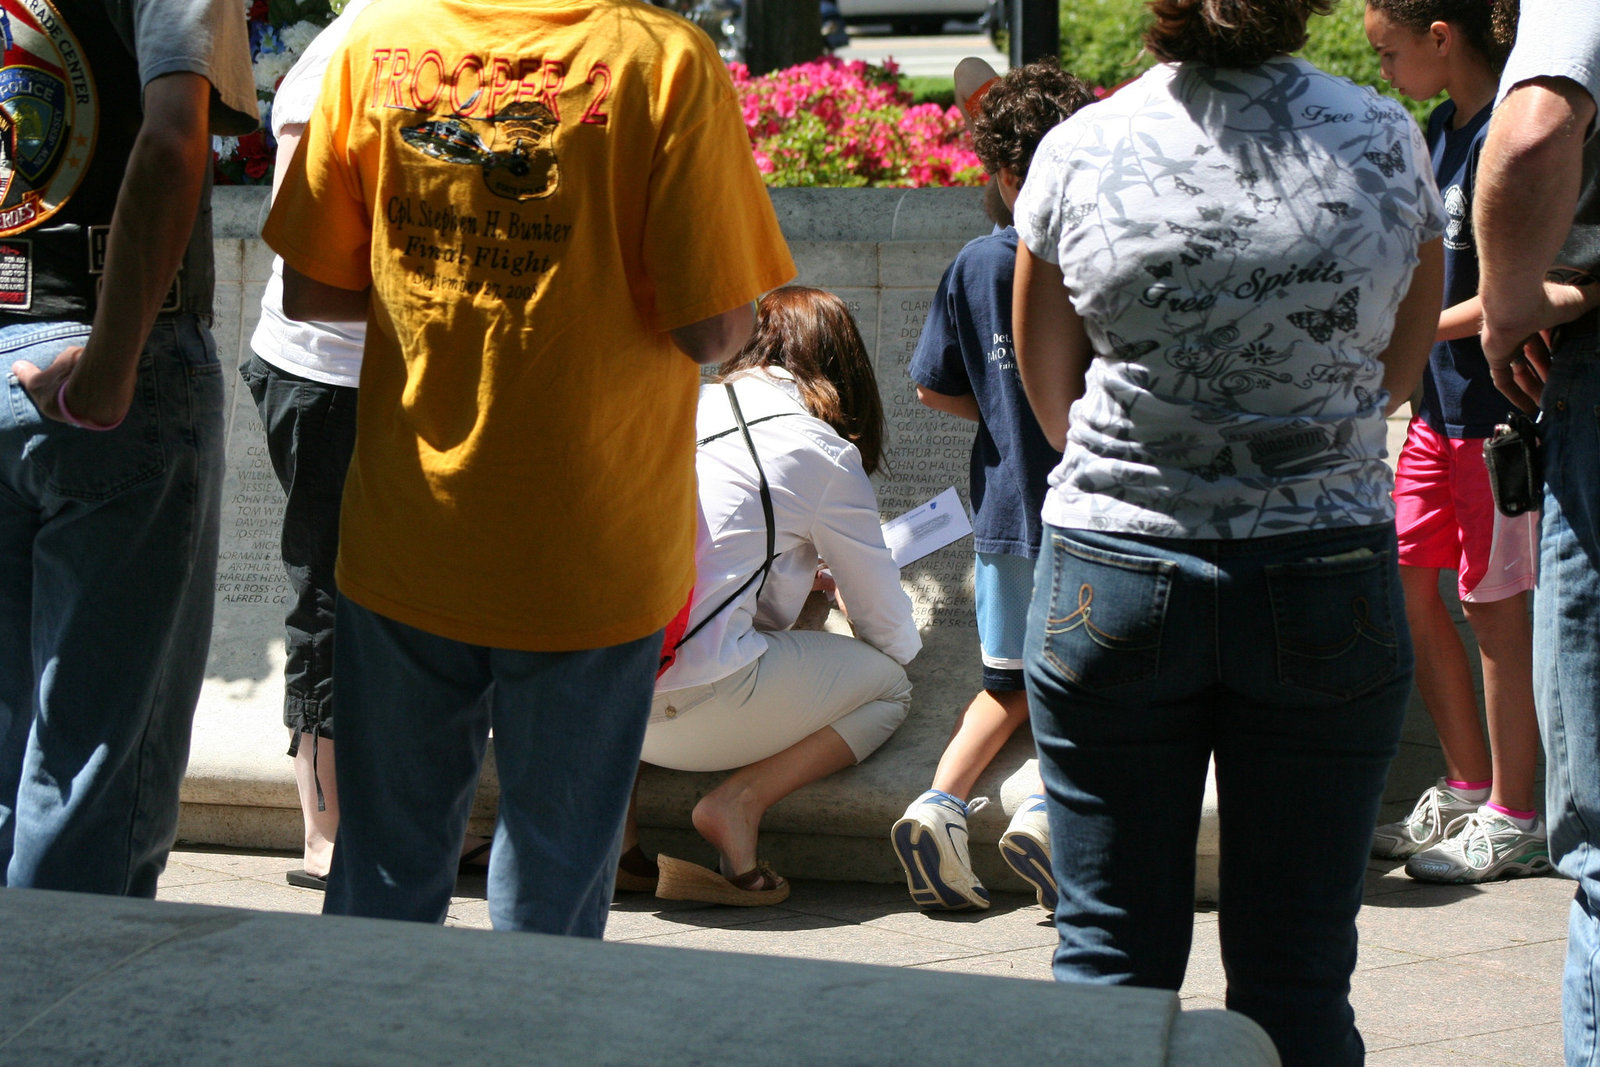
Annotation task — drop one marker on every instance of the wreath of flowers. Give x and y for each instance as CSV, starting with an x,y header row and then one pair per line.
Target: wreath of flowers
x,y
280,30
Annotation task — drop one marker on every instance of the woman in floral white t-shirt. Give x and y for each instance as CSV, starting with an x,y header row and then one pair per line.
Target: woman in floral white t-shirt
x,y
1228,272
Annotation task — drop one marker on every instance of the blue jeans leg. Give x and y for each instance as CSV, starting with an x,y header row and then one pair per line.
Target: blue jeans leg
x,y
109,543
1566,657
413,729
568,728
1288,658
1309,727
1122,748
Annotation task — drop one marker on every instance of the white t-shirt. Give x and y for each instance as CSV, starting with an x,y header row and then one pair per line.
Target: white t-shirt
x,y
326,352
824,508
1237,243
1555,38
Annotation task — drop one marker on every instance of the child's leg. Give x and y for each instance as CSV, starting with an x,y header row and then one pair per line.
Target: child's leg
x,y
1444,677
1428,522
1505,643
1002,588
1503,839
980,732
1430,541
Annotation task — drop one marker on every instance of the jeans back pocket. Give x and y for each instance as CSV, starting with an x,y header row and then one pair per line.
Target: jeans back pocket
x,y
65,462
1106,614
1337,634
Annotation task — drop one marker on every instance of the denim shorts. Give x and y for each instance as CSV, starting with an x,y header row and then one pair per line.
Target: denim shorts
x,y
1002,588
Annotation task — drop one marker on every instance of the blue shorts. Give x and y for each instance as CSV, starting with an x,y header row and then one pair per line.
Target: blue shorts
x,y
1003,587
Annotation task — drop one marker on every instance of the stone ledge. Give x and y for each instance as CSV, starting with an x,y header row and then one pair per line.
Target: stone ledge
x,y
239,791
103,980
804,214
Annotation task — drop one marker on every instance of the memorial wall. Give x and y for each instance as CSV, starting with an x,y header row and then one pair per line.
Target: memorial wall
x,y
881,250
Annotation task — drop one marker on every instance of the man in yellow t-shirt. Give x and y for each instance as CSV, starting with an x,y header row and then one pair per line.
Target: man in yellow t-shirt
x,y
547,213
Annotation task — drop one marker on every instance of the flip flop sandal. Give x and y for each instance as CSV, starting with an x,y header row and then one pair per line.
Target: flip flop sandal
x,y
636,873
682,880
303,879
466,864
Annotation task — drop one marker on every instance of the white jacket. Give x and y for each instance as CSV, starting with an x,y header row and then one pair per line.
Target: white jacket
x,y
824,508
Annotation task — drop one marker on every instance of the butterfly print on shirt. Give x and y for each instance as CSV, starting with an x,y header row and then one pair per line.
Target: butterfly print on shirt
x,y
1391,162
1130,349
1321,324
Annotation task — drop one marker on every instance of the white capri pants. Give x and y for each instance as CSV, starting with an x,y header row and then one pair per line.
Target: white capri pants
x,y
805,680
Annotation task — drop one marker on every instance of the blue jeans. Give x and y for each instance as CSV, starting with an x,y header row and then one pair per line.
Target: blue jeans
x,y
108,556
1288,659
413,727
1566,668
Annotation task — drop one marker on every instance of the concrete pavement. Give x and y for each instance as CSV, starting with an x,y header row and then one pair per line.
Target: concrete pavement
x,y
1447,975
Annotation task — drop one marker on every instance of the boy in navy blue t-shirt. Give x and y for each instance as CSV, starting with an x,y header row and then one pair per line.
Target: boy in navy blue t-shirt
x,y
965,365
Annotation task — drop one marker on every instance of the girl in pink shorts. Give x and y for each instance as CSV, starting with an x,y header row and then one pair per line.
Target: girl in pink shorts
x,y
1478,821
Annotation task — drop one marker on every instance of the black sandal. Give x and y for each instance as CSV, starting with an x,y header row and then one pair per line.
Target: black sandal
x,y
466,866
303,879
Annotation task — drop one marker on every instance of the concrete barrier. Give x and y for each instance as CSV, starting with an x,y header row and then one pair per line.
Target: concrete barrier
x,y
101,980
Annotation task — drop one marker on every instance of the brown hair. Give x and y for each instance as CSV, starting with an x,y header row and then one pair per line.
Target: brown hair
x,y
1490,26
809,332
1019,109
1229,33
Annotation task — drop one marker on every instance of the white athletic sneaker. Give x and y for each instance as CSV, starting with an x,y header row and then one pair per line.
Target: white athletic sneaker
x,y
931,842
1425,826
1025,846
1481,847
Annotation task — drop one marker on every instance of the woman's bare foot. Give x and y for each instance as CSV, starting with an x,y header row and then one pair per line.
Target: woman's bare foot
x,y
727,819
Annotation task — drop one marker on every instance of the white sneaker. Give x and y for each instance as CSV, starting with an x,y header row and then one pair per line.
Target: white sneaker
x,y
1425,826
1025,846
931,842
1481,847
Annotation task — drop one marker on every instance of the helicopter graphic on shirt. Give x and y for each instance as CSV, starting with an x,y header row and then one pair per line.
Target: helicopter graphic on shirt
x,y
517,160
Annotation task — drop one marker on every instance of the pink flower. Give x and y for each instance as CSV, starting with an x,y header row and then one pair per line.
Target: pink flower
x,y
834,123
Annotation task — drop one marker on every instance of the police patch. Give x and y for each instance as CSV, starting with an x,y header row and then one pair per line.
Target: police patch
x,y
48,114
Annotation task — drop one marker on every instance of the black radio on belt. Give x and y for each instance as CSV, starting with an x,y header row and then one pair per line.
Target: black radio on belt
x,y
1515,459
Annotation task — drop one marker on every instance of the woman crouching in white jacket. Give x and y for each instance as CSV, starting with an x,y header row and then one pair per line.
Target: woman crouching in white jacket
x,y
784,707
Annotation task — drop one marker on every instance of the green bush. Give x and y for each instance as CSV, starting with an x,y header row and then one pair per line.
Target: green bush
x,y
1101,43
1339,46
928,89
1101,40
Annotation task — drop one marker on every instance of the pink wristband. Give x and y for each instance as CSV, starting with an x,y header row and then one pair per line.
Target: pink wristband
x,y
73,420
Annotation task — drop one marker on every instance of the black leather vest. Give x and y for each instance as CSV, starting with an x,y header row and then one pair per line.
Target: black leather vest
x,y
69,113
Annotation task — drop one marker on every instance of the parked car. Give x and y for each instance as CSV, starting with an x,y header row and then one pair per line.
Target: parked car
x,y
913,16
723,21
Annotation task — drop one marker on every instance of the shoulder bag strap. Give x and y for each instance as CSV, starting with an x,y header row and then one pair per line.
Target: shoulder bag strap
x,y
766,511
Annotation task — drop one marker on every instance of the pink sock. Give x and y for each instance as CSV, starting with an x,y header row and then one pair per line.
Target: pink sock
x,y
1527,820
1468,787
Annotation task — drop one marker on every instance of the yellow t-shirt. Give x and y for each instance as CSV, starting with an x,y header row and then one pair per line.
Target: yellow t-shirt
x,y
536,190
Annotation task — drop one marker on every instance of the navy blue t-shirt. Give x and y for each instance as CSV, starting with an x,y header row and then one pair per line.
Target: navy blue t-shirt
x,y
1459,399
966,348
